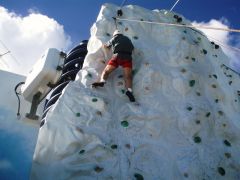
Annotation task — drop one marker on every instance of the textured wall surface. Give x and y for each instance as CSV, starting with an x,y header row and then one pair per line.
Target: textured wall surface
x,y
185,123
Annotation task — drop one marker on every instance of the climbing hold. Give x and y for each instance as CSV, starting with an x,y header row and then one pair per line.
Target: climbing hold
x,y
108,34
89,75
147,88
114,146
210,76
183,38
220,113
127,146
141,19
119,12
193,59
78,114
82,151
224,125
199,38
120,83
185,31
227,155
204,51
123,91
216,100
221,171
186,57
191,83
102,61
135,37
185,175
189,108
198,121
214,86
124,123
126,29
134,72
216,46
212,42
198,93
98,169
99,113
183,70
94,99
227,143
215,55
120,23
215,76
230,82
197,139
179,19
208,114
120,76
138,176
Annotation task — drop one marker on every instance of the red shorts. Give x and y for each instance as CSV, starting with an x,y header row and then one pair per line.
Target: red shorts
x,y
116,61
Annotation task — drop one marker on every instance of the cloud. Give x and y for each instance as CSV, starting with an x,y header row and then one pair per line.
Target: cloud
x,y
225,38
27,38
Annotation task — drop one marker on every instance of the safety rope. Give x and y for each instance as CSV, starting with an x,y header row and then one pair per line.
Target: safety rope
x,y
180,25
174,5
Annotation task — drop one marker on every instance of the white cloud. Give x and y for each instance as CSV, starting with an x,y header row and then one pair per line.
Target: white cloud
x,y
27,38
224,37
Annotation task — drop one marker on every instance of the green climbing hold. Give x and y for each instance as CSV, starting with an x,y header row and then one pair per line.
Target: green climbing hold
x,y
198,93
221,171
124,123
220,113
185,31
198,121
120,23
94,99
89,75
208,114
193,59
227,143
108,34
227,155
215,76
123,91
78,114
98,169
138,176
114,146
82,151
197,139
216,100
191,83
216,46
199,38
230,82
135,37
204,51
189,108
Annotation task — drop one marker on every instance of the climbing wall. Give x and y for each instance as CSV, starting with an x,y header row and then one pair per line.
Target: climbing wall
x,y
184,125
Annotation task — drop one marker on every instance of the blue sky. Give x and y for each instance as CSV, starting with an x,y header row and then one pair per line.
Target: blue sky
x,y
37,25
78,16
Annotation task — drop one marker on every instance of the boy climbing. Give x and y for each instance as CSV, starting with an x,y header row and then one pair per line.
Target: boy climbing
x,y
122,48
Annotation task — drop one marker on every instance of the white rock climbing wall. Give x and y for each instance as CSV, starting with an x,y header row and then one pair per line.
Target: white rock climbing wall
x,y
186,124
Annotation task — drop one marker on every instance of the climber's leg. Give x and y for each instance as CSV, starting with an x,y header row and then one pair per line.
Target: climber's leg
x,y
128,83
108,69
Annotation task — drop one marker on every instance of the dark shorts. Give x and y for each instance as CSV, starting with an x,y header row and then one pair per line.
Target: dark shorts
x,y
117,61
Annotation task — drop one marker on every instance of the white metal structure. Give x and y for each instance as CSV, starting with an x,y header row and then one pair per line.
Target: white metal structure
x,y
44,72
